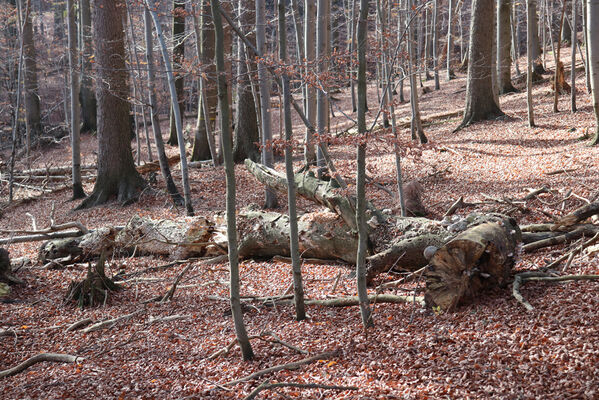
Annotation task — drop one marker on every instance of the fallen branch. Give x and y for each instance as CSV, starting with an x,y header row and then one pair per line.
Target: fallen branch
x,y
576,216
109,323
40,237
79,324
52,228
353,300
568,236
573,253
51,357
267,385
288,366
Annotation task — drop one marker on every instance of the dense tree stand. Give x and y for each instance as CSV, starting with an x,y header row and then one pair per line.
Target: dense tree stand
x,y
117,175
480,102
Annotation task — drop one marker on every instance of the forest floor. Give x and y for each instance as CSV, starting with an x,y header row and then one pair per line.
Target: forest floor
x,y
492,348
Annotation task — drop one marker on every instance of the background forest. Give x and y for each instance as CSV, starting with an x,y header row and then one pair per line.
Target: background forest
x,y
346,199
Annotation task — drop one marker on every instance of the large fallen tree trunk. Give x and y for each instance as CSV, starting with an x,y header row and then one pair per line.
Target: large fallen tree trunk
x,y
477,259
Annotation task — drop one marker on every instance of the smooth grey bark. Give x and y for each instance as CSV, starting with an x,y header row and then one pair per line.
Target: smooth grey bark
x,y
436,43
32,100
529,60
310,91
151,4
78,192
449,39
593,35
536,47
365,311
246,121
162,159
416,122
504,60
15,126
117,175
87,94
242,336
267,153
515,27
298,289
321,103
352,48
558,61
178,57
586,44
480,98
574,41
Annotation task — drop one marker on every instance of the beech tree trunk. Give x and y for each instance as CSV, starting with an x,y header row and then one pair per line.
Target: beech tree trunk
x,y
529,60
165,169
310,55
504,58
32,100
178,58
117,175
87,94
75,134
480,100
207,92
593,41
242,336
246,120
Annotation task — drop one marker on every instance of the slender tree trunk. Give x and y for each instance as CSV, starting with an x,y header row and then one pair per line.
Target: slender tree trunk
x,y
566,35
504,61
242,336
162,159
416,122
558,61
536,48
585,29
300,312
574,41
310,56
515,27
174,106
480,99
246,125
267,153
15,126
593,35
32,100
117,175
78,192
529,60
178,58
352,48
436,43
449,39
87,94
321,103
365,311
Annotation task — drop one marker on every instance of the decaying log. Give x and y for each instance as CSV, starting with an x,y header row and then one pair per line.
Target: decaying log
x,y
310,187
578,215
477,259
322,235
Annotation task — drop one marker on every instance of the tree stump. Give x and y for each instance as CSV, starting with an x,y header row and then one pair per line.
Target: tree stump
x,y
478,259
94,290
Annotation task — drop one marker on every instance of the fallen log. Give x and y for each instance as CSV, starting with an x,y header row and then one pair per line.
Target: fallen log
x,y
479,258
585,230
310,187
52,357
576,216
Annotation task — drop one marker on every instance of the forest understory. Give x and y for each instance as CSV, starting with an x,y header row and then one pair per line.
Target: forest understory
x,y
490,348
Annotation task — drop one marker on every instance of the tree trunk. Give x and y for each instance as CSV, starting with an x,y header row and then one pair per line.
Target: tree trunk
x,y
529,60
480,101
117,175
242,336
310,55
321,103
162,159
87,94
75,134
298,289
246,124
574,41
436,43
361,173
32,100
478,259
504,59
449,39
178,59
177,115
267,154
416,122
536,47
593,36
207,92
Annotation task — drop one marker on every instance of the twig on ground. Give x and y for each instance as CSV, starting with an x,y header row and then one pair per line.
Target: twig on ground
x,y
109,323
51,357
266,385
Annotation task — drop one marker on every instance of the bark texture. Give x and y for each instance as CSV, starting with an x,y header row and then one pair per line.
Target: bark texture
x,y
117,175
178,58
